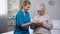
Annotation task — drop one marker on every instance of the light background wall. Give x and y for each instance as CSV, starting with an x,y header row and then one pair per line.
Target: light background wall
x,y
52,10
3,7
3,16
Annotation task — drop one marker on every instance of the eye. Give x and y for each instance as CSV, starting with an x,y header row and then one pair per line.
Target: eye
x,y
29,7
39,11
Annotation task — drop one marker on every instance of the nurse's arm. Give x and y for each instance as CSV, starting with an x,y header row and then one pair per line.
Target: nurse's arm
x,y
20,23
27,24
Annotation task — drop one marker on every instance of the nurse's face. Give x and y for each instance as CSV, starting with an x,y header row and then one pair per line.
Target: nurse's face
x,y
27,7
40,11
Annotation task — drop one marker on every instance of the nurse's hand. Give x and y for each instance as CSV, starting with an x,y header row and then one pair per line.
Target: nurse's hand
x,y
26,24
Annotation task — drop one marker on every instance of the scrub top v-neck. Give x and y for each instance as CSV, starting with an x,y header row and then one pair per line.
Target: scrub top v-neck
x,y
22,19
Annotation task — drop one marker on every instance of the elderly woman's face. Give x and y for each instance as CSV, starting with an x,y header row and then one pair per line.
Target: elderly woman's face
x,y
40,11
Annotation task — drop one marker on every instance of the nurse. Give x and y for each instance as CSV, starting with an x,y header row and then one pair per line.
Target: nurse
x,y
23,19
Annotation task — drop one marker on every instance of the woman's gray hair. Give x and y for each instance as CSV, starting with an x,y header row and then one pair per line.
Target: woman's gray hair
x,y
43,7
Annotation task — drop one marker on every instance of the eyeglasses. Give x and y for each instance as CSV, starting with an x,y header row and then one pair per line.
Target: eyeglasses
x,y
39,11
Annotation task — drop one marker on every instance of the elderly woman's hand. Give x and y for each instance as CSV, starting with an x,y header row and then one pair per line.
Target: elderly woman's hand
x,y
37,21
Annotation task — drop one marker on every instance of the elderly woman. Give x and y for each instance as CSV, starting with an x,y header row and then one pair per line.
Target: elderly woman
x,y
42,22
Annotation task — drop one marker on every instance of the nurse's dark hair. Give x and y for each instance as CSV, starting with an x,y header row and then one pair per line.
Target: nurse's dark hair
x,y
25,3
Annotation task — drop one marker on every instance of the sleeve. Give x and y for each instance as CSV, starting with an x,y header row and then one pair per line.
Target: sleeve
x,y
49,24
19,20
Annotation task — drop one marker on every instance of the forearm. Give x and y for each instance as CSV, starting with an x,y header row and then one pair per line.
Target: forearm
x,y
26,24
47,25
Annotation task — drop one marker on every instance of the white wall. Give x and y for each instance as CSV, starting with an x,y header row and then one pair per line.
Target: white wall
x,y
3,7
3,16
52,10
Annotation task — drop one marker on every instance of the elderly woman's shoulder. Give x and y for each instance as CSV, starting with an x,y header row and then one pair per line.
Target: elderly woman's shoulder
x,y
48,16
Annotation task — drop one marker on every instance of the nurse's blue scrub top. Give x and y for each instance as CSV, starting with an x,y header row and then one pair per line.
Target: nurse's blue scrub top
x,y
22,19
